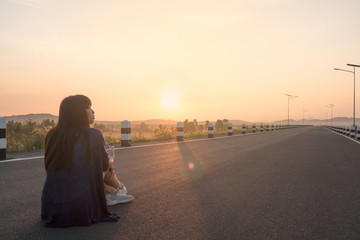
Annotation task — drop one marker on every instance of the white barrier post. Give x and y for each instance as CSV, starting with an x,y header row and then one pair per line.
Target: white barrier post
x,y
230,129
243,129
180,131
352,131
348,131
261,127
210,130
277,127
272,127
2,138
125,133
254,128
358,133
267,127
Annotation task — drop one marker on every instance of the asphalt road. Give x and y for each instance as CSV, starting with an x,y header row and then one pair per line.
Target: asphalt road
x,y
291,184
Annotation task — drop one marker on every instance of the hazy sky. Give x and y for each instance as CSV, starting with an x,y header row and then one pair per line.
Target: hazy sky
x,y
208,59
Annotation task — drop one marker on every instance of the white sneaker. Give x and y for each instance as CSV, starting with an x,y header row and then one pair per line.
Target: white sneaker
x,y
117,198
123,189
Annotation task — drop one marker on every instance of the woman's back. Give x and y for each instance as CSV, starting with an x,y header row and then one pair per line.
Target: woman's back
x,y
75,196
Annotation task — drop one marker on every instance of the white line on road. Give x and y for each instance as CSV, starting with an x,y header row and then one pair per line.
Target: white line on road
x,y
169,143
148,145
21,159
345,136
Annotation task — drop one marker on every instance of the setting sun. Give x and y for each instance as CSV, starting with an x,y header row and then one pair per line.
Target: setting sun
x,y
170,99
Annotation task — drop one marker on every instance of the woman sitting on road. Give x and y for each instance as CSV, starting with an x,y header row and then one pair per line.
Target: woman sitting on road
x,y
75,160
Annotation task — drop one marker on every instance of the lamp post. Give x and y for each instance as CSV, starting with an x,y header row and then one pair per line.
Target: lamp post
x,y
331,106
353,72
289,98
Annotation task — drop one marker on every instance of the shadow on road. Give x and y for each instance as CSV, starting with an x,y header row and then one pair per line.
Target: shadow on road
x,y
191,163
36,230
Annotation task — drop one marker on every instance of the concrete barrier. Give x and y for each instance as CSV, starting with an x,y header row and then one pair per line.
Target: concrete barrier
x,y
180,131
243,128
210,130
352,131
230,129
2,138
125,133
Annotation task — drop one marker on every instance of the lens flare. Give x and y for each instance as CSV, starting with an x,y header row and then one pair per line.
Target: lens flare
x,y
191,165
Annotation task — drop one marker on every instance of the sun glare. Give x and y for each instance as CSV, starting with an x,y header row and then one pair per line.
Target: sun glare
x,y
170,99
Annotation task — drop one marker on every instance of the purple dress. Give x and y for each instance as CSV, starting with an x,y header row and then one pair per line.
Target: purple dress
x,y
77,198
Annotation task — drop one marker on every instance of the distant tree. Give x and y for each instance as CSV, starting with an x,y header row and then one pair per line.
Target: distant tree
x,y
190,126
196,125
144,127
219,126
14,136
186,125
173,130
34,135
162,132
29,127
206,125
47,124
201,128
28,136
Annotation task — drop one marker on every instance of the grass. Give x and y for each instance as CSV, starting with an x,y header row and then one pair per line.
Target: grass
x,y
113,134
21,141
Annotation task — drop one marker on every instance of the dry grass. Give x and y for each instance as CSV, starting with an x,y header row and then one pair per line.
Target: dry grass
x,y
112,133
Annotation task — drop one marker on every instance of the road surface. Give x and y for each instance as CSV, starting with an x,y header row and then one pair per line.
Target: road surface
x,y
299,183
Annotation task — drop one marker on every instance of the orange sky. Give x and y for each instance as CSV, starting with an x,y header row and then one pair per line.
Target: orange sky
x,y
224,59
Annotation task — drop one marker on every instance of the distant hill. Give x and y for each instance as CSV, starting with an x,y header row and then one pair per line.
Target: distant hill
x,y
239,122
38,117
147,122
156,122
341,121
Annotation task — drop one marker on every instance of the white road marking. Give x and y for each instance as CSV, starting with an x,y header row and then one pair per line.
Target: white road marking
x,y
149,145
344,136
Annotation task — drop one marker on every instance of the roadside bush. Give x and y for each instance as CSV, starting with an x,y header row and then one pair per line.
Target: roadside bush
x,y
25,137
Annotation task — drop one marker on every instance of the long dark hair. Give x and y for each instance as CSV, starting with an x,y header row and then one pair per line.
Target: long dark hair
x,y
72,124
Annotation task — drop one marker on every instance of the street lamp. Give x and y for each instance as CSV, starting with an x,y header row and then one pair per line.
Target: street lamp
x,y
331,106
353,72
289,98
